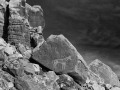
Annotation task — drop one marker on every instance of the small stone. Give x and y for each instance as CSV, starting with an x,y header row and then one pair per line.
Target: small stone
x,y
24,62
9,49
10,85
21,84
97,87
108,86
24,50
2,44
52,76
29,68
36,67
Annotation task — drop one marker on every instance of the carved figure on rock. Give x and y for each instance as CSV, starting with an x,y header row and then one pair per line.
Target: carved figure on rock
x,y
61,61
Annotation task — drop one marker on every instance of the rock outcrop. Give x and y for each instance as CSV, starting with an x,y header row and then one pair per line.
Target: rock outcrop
x,y
18,25
29,62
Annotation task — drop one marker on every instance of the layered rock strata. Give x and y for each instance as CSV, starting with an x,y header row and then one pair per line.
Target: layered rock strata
x,y
3,5
18,29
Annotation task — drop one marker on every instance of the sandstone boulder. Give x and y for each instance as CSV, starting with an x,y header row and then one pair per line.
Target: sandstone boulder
x,y
58,54
105,72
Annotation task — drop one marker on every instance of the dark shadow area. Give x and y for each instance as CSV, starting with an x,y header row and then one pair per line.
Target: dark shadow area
x,y
8,71
44,69
77,78
33,43
6,24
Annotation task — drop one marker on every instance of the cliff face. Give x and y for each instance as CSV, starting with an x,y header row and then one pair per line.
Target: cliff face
x,y
31,62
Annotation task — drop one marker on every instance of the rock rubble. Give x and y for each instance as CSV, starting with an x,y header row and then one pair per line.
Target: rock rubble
x,y
29,62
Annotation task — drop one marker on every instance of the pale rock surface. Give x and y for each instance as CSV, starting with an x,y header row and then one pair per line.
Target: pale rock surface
x,y
104,72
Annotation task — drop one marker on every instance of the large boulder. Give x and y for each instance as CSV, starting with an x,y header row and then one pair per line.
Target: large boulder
x,y
58,54
104,72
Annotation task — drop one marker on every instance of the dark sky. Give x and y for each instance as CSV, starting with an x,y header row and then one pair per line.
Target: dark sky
x,y
92,26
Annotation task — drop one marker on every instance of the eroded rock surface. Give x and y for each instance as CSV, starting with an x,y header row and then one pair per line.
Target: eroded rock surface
x,y
3,5
58,54
18,29
35,15
104,72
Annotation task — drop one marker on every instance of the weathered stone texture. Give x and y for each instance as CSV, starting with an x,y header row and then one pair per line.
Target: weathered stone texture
x,y
18,30
17,8
47,81
58,54
67,83
3,5
104,72
35,15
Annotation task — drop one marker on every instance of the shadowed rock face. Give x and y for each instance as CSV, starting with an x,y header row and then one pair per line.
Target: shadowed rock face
x,y
104,72
3,6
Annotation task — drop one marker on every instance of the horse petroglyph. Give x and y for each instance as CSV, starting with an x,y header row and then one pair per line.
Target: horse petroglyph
x,y
62,62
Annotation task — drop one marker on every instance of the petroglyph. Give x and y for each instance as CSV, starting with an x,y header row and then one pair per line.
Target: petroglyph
x,y
61,61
